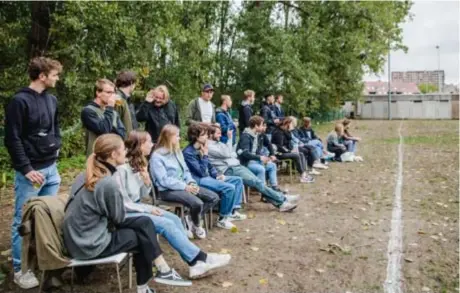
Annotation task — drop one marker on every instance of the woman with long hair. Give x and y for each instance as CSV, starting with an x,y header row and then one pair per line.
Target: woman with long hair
x,y
94,223
135,182
174,181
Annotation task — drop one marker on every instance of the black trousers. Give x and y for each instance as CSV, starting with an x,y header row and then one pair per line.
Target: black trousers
x,y
309,153
336,150
136,235
297,158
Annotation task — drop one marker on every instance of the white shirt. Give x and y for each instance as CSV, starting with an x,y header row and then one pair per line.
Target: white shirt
x,y
205,109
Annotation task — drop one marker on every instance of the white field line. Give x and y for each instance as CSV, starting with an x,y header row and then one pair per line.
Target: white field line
x,y
393,281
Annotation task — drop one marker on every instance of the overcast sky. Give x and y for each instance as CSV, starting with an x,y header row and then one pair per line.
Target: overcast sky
x,y
433,23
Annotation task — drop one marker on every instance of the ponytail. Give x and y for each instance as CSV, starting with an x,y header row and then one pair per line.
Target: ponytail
x,y
95,170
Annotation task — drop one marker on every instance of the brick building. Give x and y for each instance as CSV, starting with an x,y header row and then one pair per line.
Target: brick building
x,y
418,77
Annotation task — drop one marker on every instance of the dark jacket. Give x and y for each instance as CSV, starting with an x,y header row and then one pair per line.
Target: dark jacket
x,y
268,114
279,113
97,121
305,134
245,146
245,113
156,118
198,165
282,139
32,134
226,123
194,112
131,111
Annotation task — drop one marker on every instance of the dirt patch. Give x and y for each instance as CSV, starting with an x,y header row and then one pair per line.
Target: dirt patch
x,y
336,240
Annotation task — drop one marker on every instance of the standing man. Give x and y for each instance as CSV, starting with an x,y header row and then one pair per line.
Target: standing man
x,y
245,110
99,116
225,120
279,113
202,109
126,82
158,110
268,114
33,139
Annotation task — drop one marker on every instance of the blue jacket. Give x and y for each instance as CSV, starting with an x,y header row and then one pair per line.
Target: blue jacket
x,y
199,166
279,113
169,171
226,123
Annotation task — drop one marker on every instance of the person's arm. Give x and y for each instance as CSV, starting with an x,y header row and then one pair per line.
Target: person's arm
x,y
93,123
121,130
187,175
110,199
212,171
191,112
121,177
176,119
143,111
57,130
244,149
269,146
220,150
14,116
221,119
158,170
278,140
247,115
125,115
196,167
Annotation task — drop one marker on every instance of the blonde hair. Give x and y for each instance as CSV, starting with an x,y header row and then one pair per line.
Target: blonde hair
x,y
346,122
223,98
294,121
162,89
249,93
104,146
165,139
99,85
339,128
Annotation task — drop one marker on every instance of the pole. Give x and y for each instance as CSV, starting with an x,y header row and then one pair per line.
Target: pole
x,y
439,70
389,82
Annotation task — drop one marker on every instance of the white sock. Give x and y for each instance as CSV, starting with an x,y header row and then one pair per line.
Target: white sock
x,y
142,288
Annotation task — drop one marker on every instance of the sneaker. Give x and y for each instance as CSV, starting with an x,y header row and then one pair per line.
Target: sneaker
x,y
202,269
320,166
188,226
199,232
225,223
26,281
314,172
287,206
171,278
308,179
236,216
276,188
292,198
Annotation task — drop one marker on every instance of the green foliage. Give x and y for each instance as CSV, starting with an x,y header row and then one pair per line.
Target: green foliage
x,y
426,88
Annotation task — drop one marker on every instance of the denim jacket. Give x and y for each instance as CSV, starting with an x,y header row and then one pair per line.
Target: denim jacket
x,y
169,170
226,123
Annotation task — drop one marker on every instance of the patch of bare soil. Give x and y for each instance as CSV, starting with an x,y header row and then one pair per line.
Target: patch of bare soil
x,y
336,240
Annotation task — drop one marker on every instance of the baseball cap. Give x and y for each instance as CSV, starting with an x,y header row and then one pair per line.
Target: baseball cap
x,y
207,87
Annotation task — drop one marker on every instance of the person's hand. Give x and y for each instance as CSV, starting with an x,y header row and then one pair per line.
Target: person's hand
x,y
111,101
150,97
35,177
204,148
146,177
264,159
221,177
193,189
358,138
230,134
273,158
277,121
343,147
157,212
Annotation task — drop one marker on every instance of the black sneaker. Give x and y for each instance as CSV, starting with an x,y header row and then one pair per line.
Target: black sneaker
x,y
171,278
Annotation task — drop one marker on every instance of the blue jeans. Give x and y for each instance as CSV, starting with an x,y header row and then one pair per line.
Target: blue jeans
x,y
259,170
318,146
351,145
170,227
251,180
23,190
230,192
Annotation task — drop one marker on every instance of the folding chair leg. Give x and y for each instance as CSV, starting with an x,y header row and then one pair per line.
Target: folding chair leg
x,y
71,280
119,279
205,219
290,171
41,282
130,268
210,219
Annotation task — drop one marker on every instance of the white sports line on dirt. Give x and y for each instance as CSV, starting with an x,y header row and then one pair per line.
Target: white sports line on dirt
x,y
393,281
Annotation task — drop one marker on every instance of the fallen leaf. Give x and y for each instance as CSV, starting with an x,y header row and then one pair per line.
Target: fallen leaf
x,y
280,275
6,252
247,230
408,259
281,222
434,237
253,248
263,281
355,217
225,251
319,271
234,229
426,289
294,238
251,216
421,232
227,284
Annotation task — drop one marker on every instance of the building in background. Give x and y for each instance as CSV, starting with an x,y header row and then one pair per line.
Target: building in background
x,y
397,88
433,77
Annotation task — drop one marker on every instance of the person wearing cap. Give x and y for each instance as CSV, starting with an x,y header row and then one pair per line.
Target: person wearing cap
x,y
201,109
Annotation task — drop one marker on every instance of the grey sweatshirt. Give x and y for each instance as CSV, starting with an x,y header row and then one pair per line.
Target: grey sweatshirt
x,y
222,156
133,189
88,214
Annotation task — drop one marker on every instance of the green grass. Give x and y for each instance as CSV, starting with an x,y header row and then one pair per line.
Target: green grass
x,y
441,139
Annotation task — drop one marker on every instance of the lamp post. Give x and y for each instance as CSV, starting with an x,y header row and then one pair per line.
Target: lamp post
x,y
439,69
389,81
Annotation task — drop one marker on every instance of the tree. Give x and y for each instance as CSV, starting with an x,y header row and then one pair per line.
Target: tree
x,y
427,88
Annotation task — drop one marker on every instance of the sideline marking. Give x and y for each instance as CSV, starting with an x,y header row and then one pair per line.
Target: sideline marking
x,y
393,281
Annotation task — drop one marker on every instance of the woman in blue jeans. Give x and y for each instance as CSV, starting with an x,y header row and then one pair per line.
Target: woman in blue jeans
x,y
135,182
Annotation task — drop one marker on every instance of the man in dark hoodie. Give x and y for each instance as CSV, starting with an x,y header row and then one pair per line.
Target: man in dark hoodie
x,y
99,116
268,113
33,139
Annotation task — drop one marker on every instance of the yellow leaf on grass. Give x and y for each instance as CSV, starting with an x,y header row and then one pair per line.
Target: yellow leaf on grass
x,y
234,229
263,281
281,222
224,250
251,216
227,284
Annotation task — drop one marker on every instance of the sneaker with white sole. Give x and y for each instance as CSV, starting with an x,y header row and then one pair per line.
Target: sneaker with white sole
x,y
308,179
199,232
225,223
236,216
287,206
213,261
26,281
320,166
189,226
293,198
314,172
171,278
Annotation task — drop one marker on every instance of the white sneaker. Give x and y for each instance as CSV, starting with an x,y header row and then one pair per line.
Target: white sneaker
x,y
293,198
314,172
225,223
199,232
287,206
26,281
320,166
202,269
189,226
236,216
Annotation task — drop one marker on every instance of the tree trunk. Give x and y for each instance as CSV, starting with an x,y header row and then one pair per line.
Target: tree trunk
x,y
40,25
